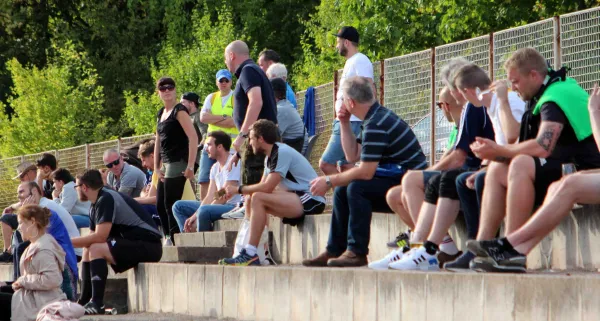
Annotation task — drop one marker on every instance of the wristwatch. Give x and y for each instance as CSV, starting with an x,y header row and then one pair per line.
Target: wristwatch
x,y
240,189
191,168
328,181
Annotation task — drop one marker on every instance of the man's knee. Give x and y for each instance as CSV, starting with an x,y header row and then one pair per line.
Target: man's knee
x,y
324,166
96,250
412,179
258,198
522,166
497,172
394,195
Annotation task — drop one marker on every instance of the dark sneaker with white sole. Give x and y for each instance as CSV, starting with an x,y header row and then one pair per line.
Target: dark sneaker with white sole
x,y
461,263
6,257
514,264
91,308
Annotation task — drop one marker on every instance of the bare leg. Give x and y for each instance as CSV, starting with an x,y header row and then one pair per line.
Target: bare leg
x,y
426,216
445,215
203,190
248,206
493,203
394,200
328,169
6,235
100,251
280,204
520,193
413,191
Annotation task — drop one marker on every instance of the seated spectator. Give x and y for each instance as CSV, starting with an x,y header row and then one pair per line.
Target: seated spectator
x,y
121,176
191,101
291,126
268,58
215,203
43,263
46,165
122,234
386,149
284,190
65,195
147,197
556,129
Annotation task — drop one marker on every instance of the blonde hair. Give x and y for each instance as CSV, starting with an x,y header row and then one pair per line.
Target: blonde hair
x,y
526,60
40,215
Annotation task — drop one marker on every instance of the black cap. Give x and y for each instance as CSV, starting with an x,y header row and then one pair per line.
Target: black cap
x,y
193,97
348,33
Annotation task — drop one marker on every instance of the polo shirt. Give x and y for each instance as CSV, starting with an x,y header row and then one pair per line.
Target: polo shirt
x,y
249,76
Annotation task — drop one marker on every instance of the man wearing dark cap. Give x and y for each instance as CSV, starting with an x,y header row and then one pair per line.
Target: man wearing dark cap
x,y
357,64
46,165
191,101
291,126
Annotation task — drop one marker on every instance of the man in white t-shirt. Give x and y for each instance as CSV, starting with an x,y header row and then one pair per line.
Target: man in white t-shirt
x,y
217,112
357,64
215,203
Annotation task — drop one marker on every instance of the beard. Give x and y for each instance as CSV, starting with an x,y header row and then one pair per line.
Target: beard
x,y
343,51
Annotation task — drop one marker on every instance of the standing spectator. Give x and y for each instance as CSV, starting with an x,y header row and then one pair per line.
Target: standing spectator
x,y
268,58
217,112
65,195
357,64
46,165
291,126
121,176
175,146
191,101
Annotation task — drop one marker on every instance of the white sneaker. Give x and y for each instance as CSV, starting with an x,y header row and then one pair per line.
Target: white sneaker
x,y
167,242
391,257
236,213
417,259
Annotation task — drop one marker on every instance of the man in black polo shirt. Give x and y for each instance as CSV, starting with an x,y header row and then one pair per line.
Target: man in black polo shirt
x,y
386,149
122,234
253,99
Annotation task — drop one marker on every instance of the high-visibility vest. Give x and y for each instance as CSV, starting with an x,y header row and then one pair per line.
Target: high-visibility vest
x,y
217,108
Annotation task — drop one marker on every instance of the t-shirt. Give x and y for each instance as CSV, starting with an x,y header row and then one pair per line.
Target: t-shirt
x,y
296,172
517,107
129,219
249,76
387,139
357,65
289,122
474,122
206,108
222,175
48,188
201,129
174,143
65,217
131,182
69,200
290,95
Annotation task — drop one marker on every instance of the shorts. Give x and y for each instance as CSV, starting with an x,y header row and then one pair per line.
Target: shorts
x,y
128,253
334,153
10,220
427,175
311,206
547,171
206,164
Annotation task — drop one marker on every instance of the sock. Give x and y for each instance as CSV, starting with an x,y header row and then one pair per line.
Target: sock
x,y
448,246
99,272
86,284
250,250
431,248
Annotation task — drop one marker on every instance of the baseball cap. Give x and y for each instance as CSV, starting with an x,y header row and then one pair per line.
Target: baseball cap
x,y
193,97
23,168
348,33
223,73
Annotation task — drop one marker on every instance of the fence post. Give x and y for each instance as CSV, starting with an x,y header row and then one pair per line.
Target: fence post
x,y
381,81
491,58
433,122
87,156
119,145
556,44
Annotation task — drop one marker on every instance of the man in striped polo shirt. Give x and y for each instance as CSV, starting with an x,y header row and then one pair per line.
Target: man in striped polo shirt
x,y
386,149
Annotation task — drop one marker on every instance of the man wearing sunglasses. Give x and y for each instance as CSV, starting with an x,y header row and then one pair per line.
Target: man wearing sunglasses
x,y
121,176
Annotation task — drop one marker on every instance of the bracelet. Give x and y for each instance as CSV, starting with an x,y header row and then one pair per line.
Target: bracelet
x,y
240,189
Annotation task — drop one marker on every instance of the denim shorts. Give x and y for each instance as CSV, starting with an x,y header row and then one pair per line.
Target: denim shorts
x,y
205,164
334,153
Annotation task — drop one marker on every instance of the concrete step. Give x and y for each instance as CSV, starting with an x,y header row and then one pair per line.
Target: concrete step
x,y
145,317
299,293
6,272
197,254
228,225
207,239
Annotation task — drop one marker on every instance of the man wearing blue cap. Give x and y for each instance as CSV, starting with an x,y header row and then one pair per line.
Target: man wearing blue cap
x,y
217,112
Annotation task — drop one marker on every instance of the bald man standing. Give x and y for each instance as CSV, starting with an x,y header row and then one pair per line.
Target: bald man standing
x,y
253,99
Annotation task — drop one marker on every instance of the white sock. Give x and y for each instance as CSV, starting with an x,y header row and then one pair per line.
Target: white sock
x,y
250,249
448,246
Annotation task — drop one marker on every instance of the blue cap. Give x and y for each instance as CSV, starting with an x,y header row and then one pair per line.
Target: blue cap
x,y
223,73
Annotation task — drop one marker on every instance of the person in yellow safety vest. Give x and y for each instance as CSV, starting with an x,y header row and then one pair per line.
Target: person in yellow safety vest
x,y
216,112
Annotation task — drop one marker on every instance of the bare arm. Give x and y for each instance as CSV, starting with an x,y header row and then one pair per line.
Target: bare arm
x,y
149,198
219,120
349,145
455,159
100,235
365,171
267,185
255,104
594,108
510,125
542,146
157,152
210,194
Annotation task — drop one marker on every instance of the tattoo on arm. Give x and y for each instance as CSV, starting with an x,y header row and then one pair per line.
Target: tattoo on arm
x,y
545,138
548,135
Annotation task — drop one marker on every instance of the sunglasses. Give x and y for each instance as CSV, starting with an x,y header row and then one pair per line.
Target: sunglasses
x,y
223,80
441,104
111,164
164,88
78,185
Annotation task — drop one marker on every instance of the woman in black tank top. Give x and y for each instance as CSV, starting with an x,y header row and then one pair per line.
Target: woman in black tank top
x,y
175,147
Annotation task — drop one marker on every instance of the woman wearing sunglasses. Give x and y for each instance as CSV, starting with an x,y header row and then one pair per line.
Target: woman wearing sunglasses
x,y
175,148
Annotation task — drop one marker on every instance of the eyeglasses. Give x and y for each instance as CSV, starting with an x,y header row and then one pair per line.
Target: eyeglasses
x,y
114,163
223,81
164,88
77,185
441,104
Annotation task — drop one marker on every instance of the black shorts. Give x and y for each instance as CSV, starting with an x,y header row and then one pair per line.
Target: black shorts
x,y
311,206
128,253
547,171
10,220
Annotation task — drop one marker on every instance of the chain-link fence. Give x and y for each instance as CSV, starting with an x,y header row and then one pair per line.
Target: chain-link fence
x,y
580,45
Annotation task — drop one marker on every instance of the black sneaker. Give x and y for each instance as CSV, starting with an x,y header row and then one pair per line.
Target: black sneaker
x,y
6,257
92,308
400,241
492,256
461,263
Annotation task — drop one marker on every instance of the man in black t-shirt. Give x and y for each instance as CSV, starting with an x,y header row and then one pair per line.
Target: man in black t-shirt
x,y
122,234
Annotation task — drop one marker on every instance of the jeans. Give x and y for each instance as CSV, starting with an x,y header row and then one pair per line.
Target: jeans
x,y
353,207
470,201
182,210
81,220
210,213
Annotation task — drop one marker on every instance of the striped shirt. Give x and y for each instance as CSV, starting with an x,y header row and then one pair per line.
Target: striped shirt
x,y
387,139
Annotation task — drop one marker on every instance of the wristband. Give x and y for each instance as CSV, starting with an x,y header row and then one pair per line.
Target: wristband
x,y
238,155
240,189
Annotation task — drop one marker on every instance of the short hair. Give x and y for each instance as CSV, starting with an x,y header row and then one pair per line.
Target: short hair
x,y
111,151
221,138
62,174
47,159
472,76
40,215
526,60
270,54
359,89
165,81
279,88
146,148
267,130
277,70
34,186
92,178
448,71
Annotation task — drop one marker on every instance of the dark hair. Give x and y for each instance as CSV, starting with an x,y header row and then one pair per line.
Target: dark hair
x,y
267,130
62,174
40,215
279,88
193,97
92,178
221,138
165,81
47,159
146,148
270,54
35,186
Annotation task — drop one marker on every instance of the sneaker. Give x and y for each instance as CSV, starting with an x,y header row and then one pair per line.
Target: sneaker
x,y
237,213
167,242
92,308
417,259
444,257
243,259
6,257
400,241
461,263
493,257
391,257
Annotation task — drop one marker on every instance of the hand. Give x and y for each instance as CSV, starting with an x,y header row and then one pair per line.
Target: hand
x,y
343,114
230,191
485,148
189,174
104,173
17,285
190,224
501,89
594,104
233,162
471,96
318,186
471,180
31,200
238,142
55,193
161,175
8,210
221,195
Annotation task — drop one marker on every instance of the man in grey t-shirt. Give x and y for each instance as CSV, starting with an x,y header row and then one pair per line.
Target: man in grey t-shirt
x,y
291,126
121,176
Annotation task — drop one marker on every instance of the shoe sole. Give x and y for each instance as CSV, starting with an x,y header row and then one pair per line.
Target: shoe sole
x,y
489,265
